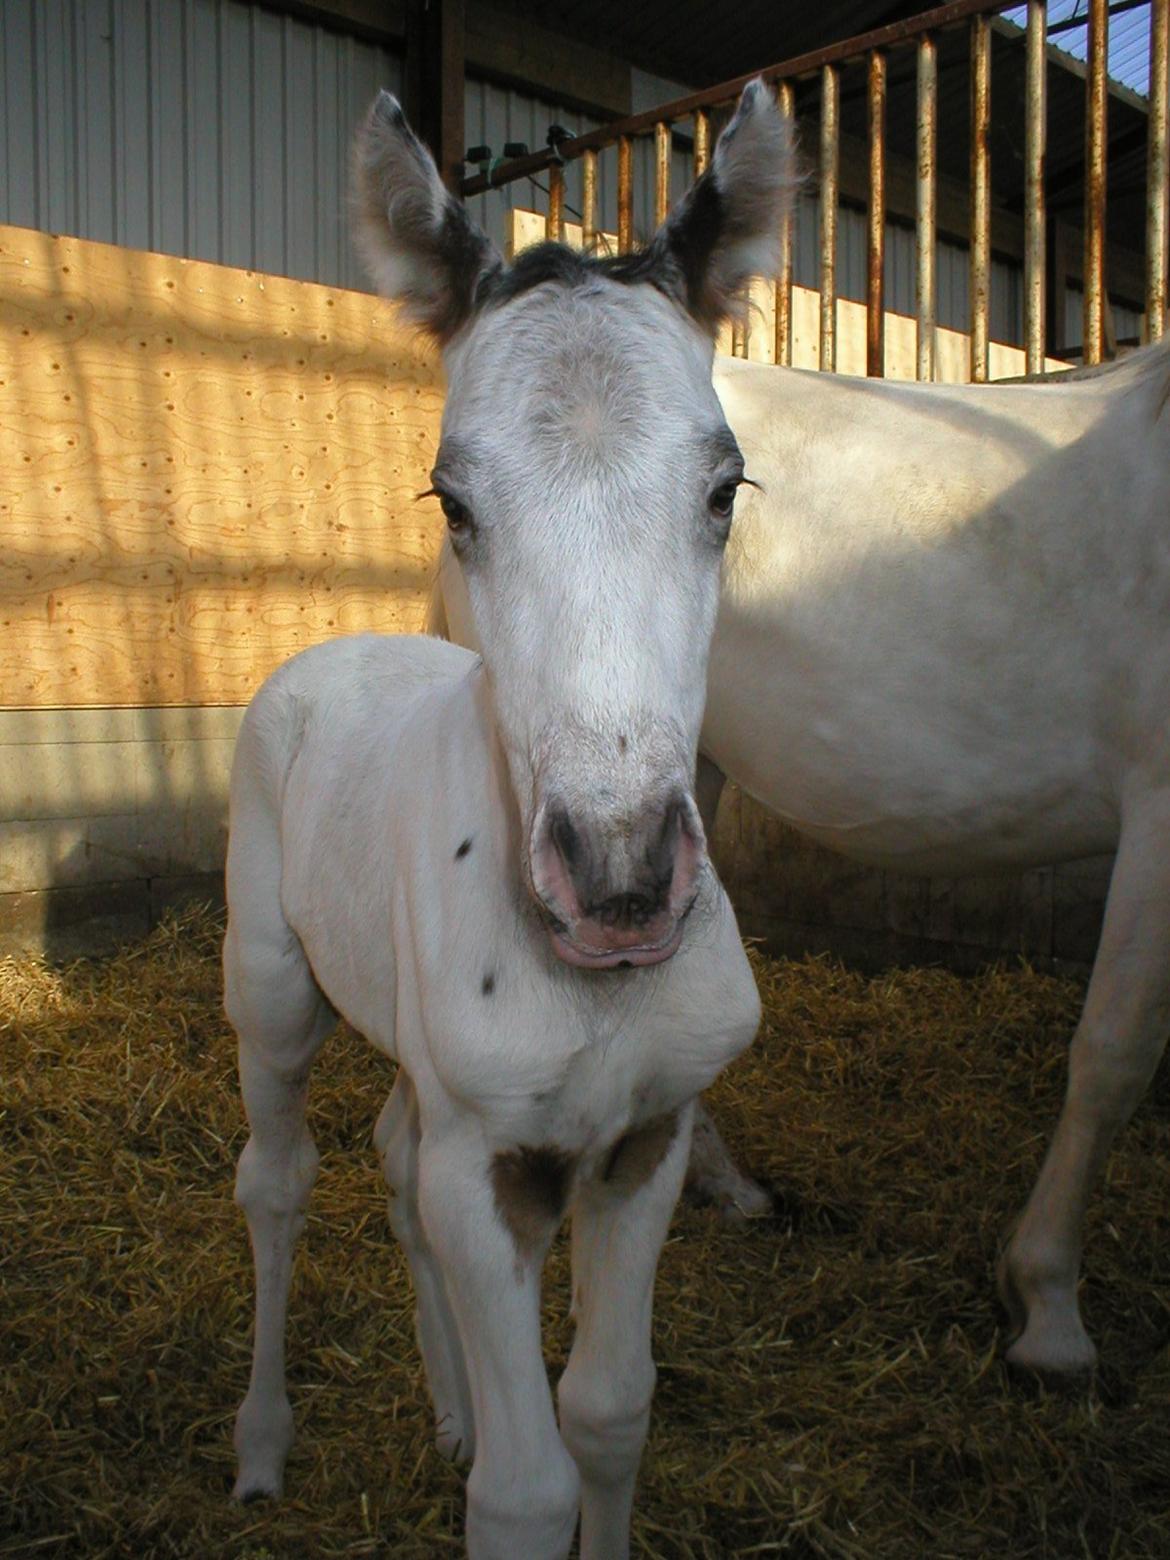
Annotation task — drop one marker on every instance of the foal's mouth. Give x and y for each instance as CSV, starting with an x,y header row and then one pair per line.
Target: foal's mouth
x,y
624,956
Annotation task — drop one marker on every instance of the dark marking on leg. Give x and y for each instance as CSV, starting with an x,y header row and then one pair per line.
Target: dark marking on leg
x,y
623,742
531,1187
489,984
635,1157
464,848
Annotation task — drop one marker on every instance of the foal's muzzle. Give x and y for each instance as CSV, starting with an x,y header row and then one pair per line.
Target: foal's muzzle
x,y
616,893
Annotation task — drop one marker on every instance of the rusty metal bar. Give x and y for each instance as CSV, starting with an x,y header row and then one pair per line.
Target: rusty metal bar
x,y
554,223
856,48
1096,88
589,202
661,172
830,180
980,249
875,302
1035,143
625,194
926,221
1157,161
783,341
702,141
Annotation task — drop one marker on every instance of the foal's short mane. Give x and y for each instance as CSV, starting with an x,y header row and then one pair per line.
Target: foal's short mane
x,y
552,262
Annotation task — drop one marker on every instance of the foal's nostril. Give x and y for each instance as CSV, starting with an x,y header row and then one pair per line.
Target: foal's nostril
x,y
567,840
663,848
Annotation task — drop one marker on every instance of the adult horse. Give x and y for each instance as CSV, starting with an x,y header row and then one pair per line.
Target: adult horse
x,y
943,646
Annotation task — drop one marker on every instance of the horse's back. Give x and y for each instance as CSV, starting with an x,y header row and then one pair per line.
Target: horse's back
x,y
942,636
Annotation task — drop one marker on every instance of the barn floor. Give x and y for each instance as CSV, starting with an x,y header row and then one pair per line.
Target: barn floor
x,y
829,1383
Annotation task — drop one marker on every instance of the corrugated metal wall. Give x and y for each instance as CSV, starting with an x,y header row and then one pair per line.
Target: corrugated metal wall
x,y
218,130
206,128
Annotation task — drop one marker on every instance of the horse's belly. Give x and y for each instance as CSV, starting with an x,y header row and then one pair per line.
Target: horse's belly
x,y
906,798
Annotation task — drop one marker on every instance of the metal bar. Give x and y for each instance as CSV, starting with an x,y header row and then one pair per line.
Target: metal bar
x,y
625,195
830,179
1035,143
1096,87
661,172
783,345
702,141
875,303
589,202
941,17
554,223
1157,169
925,215
980,250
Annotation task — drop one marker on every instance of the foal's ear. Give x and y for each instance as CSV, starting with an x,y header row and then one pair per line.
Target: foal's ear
x,y
417,242
726,229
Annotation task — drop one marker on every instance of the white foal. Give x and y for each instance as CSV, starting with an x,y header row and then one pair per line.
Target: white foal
x,y
495,870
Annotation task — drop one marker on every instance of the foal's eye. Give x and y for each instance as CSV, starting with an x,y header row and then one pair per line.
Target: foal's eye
x,y
723,500
458,515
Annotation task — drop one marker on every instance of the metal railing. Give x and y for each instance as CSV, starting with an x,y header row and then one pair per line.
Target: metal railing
x,y
872,49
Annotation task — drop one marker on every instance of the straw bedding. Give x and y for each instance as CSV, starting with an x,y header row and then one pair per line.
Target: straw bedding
x,y
829,1383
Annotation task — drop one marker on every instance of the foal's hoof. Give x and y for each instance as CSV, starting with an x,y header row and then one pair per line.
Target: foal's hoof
x,y
1046,1345
249,1488
1066,1368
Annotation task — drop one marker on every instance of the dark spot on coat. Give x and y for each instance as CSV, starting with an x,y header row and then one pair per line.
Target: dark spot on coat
x,y
623,742
489,985
463,850
635,1157
531,1187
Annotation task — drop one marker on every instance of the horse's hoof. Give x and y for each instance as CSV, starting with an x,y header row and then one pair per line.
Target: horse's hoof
x,y
735,1199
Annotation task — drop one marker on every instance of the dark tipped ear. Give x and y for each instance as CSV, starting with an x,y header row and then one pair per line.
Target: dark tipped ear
x,y
726,229
417,242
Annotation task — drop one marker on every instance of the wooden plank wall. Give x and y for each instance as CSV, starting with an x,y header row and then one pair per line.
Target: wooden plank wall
x,y
205,470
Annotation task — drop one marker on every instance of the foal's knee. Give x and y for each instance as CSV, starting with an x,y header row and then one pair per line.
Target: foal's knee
x,y
277,1185
604,1422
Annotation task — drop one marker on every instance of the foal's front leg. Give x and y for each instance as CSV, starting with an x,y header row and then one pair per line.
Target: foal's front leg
x,y
489,1217
620,1221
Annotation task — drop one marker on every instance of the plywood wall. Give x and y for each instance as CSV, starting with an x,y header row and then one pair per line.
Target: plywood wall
x,y
203,471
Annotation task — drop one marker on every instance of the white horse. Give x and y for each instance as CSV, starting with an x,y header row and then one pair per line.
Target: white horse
x,y
465,858
943,646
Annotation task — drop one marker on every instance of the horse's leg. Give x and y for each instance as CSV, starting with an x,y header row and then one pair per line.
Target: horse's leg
x,y
712,1177
1115,1050
281,1020
619,1224
489,1220
396,1137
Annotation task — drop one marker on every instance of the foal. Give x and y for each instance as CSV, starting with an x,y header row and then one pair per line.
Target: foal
x,y
470,859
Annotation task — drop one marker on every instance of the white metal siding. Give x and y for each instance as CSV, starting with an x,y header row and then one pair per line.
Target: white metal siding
x,y
207,128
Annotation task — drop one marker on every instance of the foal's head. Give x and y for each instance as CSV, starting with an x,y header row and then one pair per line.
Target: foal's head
x,y
588,477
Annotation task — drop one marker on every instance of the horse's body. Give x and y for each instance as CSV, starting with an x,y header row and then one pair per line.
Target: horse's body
x,y
943,646
944,633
